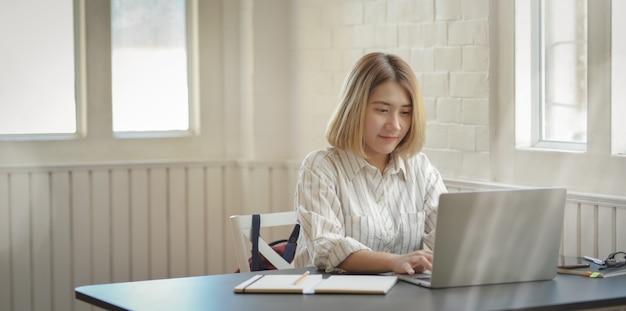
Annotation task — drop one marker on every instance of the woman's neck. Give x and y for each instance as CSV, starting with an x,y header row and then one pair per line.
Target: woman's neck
x,y
379,162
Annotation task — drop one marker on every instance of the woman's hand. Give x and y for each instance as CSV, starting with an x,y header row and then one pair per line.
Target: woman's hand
x,y
366,261
411,263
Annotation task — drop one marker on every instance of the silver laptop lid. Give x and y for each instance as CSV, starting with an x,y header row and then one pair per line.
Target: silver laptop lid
x,y
497,236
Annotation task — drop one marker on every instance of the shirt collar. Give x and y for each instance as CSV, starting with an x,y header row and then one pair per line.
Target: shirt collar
x,y
353,164
396,165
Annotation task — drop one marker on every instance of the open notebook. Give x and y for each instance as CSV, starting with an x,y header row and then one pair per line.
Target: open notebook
x,y
316,284
495,236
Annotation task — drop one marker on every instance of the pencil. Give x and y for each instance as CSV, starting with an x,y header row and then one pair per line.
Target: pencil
x,y
299,279
575,272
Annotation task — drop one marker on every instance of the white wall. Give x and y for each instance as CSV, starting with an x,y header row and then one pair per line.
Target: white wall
x,y
446,43
270,73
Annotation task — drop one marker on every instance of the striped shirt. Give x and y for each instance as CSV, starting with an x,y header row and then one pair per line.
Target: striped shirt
x,y
344,205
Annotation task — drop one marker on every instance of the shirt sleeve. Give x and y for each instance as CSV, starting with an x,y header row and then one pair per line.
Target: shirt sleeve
x,y
319,212
434,188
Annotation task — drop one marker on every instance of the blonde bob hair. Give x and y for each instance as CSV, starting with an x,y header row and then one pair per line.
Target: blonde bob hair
x,y
346,127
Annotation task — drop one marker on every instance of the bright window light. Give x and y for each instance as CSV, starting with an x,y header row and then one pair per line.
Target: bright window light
x,y
564,60
149,66
618,79
37,94
551,74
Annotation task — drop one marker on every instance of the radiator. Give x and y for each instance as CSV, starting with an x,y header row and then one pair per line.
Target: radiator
x,y
73,225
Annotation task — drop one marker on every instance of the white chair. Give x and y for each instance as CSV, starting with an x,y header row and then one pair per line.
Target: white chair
x,y
241,226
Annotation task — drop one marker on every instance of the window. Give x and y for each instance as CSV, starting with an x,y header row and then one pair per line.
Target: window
x,y
40,82
37,94
149,65
556,94
618,78
88,47
551,73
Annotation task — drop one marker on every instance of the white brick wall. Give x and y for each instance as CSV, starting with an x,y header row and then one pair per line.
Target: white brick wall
x,y
468,32
449,58
473,111
469,84
422,59
410,11
475,9
449,10
475,58
449,110
445,41
436,84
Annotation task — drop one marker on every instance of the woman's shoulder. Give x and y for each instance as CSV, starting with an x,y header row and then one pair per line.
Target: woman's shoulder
x,y
332,161
321,157
418,159
419,163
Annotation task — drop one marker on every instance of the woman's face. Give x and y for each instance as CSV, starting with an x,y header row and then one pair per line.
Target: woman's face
x,y
388,118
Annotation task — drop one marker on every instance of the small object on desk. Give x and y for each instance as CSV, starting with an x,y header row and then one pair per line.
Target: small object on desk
x,y
601,273
571,262
298,280
314,284
280,283
591,274
594,260
613,271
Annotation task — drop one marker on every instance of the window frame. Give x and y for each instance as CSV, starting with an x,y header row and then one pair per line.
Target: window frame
x,y
191,7
95,141
79,88
530,131
536,166
539,49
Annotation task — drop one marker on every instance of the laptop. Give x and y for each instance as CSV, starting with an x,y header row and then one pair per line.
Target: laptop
x,y
495,236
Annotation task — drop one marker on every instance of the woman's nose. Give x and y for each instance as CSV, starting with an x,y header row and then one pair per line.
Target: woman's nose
x,y
393,122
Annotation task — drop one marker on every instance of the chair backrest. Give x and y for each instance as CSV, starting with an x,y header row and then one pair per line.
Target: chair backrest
x,y
241,226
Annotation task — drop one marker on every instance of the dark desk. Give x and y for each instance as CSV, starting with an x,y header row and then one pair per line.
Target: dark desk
x,y
215,292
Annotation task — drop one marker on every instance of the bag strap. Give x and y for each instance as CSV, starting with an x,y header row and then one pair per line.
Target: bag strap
x,y
290,249
257,263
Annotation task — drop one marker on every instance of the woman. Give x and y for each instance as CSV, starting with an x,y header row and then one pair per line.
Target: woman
x,y
368,203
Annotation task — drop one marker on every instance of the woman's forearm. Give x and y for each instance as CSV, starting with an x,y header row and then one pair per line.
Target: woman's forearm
x,y
366,261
